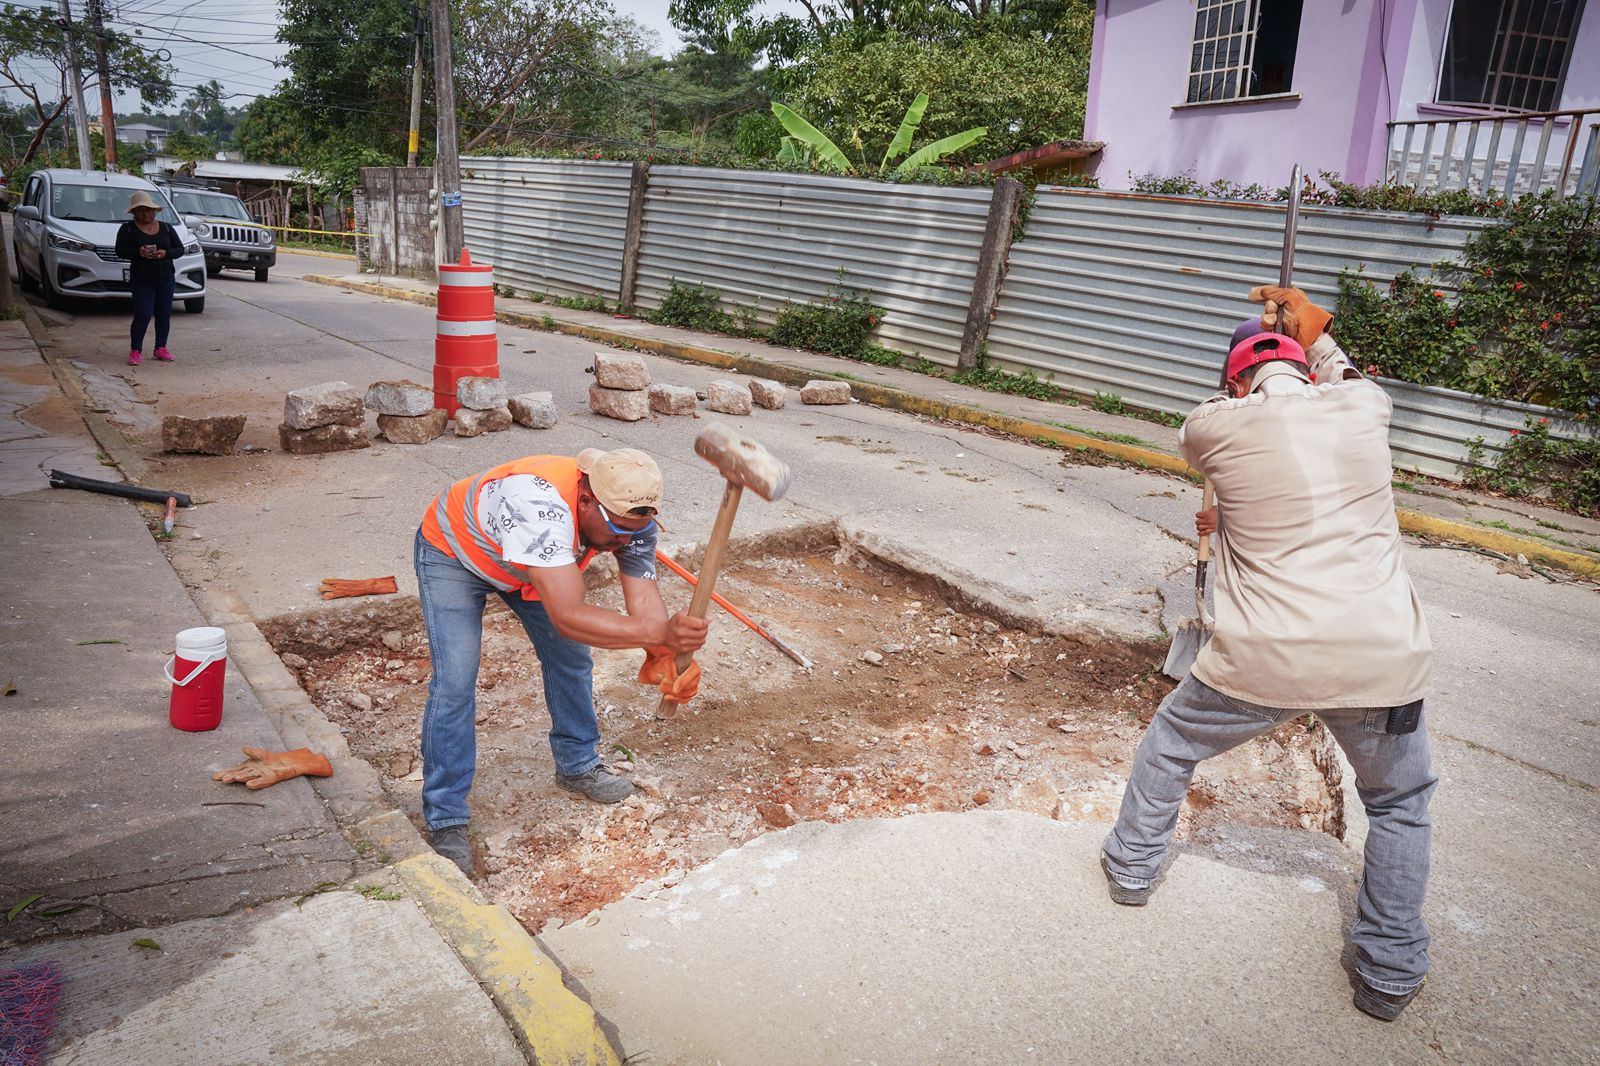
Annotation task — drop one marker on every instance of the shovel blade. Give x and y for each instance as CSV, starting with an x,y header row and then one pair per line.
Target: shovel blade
x,y
1186,644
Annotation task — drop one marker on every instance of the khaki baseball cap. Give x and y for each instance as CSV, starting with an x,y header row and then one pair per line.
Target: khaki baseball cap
x,y
142,199
623,479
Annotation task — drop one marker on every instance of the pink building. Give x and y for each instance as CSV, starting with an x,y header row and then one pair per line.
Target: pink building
x,y
1243,89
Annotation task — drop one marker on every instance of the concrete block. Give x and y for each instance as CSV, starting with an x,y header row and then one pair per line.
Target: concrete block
x,y
481,394
673,400
825,392
768,394
536,410
615,370
322,439
471,423
413,429
404,398
629,405
728,397
333,403
202,436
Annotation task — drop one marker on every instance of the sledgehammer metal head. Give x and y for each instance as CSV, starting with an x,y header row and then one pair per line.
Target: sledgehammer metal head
x,y
743,461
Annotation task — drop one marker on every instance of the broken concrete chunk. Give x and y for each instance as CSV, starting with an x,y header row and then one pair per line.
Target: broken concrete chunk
x,y
413,429
825,392
768,394
616,370
470,423
333,403
481,394
322,439
626,404
728,397
406,398
536,410
201,436
672,400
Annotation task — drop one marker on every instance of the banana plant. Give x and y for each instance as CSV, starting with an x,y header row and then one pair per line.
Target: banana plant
x,y
805,141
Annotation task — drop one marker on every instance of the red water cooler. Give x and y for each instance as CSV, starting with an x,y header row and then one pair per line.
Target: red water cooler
x,y
464,343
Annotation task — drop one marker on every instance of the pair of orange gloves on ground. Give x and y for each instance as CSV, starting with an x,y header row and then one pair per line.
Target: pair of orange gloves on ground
x,y
661,670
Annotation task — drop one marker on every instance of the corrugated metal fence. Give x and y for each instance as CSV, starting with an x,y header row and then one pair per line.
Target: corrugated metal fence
x,y
1135,295
763,239
547,225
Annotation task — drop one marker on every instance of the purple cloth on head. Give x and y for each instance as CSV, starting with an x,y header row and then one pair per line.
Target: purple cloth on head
x,y
1248,328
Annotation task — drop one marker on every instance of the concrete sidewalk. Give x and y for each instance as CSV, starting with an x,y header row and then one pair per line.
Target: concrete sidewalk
x,y
1429,508
278,941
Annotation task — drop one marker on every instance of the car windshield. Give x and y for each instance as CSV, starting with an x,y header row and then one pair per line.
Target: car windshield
x,y
209,205
100,203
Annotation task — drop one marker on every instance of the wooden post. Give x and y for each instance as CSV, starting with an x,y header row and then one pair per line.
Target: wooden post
x,y
638,183
1003,207
448,160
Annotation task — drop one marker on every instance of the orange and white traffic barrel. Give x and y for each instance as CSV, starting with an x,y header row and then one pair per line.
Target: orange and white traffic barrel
x,y
465,343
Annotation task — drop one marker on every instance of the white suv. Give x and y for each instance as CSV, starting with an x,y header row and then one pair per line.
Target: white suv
x,y
65,238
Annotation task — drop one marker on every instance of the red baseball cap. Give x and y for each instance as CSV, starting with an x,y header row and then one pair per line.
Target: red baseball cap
x,y
1262,348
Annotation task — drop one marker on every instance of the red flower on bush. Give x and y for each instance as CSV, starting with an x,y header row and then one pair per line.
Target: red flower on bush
x,y
1545,324
1556,317
1516,433
1544,421
1452,323
1487,272
1372,368
1438,294
1517,286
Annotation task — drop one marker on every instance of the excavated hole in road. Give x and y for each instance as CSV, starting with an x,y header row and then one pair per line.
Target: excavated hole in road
x,y
962,712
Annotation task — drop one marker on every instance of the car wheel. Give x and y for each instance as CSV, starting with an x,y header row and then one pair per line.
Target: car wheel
x,y
261,273
24,279
195,306
52,296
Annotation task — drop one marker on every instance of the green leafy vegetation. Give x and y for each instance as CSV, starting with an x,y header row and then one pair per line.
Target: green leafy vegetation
x,y
582,303
1534,463
840,324
993,379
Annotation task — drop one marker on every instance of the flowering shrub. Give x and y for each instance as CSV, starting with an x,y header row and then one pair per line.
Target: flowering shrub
x,y
1535,463
840,324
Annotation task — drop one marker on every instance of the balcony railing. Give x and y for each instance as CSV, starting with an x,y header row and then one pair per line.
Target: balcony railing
x,y
1512,155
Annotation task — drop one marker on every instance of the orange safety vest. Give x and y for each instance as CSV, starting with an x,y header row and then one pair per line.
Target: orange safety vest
x,y
451,523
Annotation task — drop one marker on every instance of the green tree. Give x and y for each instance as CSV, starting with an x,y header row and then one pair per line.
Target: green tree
x,y
190,146
203,112
33,64
269,131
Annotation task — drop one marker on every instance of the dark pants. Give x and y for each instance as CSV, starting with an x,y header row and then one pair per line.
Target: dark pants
x,y
152,298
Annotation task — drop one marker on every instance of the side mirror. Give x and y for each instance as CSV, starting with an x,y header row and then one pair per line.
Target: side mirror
x,y
28,211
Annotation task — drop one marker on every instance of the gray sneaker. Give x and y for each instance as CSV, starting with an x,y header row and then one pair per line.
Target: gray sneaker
x,y
1384,1006
1121,893
599,784
452,843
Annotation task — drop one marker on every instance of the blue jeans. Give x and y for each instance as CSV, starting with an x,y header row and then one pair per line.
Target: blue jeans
x,y
1394,777
453,599
152,299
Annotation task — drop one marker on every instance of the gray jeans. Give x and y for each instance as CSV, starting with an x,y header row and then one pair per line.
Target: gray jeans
x,y
1394,777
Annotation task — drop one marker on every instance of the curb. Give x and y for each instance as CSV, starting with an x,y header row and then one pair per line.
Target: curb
x,y
346,256
1415,522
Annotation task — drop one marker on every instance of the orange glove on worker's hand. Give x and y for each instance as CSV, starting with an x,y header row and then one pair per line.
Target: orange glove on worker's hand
x,y
264,768
661,670
336,588
1295,315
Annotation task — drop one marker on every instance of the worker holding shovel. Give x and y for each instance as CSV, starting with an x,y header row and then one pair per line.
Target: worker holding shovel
x,y
1314,612
525,531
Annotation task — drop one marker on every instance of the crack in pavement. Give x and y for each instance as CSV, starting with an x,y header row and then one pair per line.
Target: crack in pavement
x,y
1555,775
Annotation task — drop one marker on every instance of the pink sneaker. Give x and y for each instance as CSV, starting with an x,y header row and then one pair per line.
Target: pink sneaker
x,y
134,357
162,355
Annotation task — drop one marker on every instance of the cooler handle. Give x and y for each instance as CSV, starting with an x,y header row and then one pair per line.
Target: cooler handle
x,y
196,672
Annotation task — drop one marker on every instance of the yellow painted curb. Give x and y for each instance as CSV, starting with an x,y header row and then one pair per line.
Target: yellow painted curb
x,y
553,1025
911,403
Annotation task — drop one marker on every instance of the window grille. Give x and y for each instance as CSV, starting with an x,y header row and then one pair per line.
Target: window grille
x,y
1224,46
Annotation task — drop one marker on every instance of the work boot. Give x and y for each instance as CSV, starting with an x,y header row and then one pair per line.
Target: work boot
x,y
1384,1006
1121,893
162,355
599,784
451,842
135,357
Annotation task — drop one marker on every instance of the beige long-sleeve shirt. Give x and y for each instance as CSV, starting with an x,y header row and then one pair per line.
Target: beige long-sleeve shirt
x,y
1313,604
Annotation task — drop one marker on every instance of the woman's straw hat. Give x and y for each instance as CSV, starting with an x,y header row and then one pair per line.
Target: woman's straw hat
x,y
142,199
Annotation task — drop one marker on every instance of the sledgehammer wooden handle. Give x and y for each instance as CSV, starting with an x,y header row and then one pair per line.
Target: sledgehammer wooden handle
x,y
720,531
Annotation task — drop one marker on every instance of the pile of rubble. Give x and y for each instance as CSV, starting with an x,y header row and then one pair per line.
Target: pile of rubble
x,y
622,389
332,416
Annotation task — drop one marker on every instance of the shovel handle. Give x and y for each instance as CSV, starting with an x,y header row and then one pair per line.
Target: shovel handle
x,y
1208,500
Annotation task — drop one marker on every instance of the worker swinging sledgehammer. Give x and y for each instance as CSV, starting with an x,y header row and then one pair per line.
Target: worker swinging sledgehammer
x,y
525,531
1314,612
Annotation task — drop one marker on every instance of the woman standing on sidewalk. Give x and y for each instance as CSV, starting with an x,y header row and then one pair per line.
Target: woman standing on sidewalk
x,y
149,246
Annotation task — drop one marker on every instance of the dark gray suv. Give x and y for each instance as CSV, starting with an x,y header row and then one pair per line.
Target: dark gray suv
x,y
228,235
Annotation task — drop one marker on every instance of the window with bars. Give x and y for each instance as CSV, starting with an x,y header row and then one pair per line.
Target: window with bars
x,y
1242,48
1510,55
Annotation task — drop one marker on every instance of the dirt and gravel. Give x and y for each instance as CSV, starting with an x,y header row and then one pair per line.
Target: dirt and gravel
x,y
917,702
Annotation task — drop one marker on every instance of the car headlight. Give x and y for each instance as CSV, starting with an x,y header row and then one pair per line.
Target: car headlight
x,y
67,244
191,249
266,236
202,230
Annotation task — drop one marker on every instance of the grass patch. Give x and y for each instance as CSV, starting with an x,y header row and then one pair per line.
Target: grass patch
x,y
993,379
583,303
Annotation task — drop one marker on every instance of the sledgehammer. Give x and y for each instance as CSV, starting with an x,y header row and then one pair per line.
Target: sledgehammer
x,y
744,464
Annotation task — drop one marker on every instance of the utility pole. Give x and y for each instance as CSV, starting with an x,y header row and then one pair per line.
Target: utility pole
x,y
413,141
108,121
447,163
80,117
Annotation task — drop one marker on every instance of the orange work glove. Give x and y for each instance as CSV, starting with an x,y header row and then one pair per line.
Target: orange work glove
x,y
661,670
264,768
336,588
1294,314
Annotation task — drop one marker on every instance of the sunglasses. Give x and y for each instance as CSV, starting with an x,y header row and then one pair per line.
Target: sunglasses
x,y
619,530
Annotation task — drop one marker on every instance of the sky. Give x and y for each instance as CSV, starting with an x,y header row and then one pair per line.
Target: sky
x,y
233,41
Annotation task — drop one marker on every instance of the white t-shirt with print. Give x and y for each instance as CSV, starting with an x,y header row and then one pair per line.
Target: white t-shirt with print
x,y
535,527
